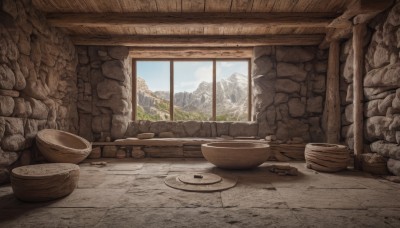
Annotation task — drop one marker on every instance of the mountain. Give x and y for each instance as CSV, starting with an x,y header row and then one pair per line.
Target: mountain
x,y
231,99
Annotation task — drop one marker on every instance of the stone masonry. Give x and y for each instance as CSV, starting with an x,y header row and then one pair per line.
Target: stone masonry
x,y
37,81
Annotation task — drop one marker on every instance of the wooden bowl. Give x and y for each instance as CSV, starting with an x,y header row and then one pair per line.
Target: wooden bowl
x,y
235,155
44,182
326,157
61,146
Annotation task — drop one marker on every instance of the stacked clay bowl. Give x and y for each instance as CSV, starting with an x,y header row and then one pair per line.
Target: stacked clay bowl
x,y
326,157
235,155
61,146
43,182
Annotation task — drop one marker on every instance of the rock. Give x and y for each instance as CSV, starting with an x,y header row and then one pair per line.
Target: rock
x,y
25,158
85,126
261,50
348,113
191,128
20,109
119,52
398,137
298,128
116,104
132,130
109,151
282,132
376,126
13,142
4,176
164,152
108,88
39,109
166,134
386,149
387,76
394,166
381,56
374,163
394,16
263,92
36,89
137,153
14,126
10,7
237,129
121,153
148,135
321,66
222,128
348,68
296,107
113,69
291,71
7,77
395,124
31,128
316,133
2,127
119,125
318,84
281,98
262,65
6,106
270,137
287,86
20,82
294,54
314,104
95,153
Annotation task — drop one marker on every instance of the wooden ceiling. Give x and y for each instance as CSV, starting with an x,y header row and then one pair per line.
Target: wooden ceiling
x,y
202,23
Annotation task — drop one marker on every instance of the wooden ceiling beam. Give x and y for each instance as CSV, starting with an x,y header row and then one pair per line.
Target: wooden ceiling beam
x,y
198,41
282,20
360,7
197,53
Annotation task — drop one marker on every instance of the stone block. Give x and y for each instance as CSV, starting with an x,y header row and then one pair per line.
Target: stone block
x,y
13,142
95,153
114,69
6,106
237,129
164,152
109,151
314,104
296,107
389,150
287,86
292,71
394,166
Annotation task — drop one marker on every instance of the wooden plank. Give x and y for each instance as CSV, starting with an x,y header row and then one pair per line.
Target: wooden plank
x,y
198,41
197,53
193,6
332,101
359,32
169,6
159,20
241,5
218,5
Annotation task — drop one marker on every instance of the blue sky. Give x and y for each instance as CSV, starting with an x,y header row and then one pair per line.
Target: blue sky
x,y
188,74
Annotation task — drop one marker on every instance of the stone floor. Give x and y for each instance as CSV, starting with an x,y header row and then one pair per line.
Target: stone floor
x,y
131,193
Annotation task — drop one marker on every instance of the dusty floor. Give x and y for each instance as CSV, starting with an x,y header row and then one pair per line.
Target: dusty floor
x,y
131,193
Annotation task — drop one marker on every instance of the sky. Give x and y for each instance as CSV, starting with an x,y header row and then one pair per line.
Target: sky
x,y
188,74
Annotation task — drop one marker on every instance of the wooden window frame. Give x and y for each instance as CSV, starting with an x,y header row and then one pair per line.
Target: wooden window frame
x,y
171,76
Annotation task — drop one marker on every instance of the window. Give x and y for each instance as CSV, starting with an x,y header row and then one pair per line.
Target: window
x,y
201,89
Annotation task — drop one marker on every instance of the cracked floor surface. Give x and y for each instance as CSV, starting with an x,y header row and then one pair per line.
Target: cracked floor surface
x,y
131,193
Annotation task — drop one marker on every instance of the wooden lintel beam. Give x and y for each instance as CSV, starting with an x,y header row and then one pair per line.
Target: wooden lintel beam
x,y
336,34
198,41
191,19
197,53
359,7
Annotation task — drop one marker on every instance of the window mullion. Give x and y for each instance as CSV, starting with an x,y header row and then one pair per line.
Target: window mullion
x,y
171,89
214,91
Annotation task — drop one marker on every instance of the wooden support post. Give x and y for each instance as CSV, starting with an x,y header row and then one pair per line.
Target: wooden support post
x,y
332,103
358,129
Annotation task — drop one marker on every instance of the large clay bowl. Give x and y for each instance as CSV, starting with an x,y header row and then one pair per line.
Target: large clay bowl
x,y
61,146
235,155
44,182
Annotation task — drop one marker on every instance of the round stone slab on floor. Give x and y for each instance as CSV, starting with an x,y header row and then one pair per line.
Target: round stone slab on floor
x,y
200,182
44,182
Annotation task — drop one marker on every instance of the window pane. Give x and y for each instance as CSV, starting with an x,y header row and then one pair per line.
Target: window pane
x,y
232,91
193,90
153,90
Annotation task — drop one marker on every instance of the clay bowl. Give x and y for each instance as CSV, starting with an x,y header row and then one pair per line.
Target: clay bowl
x,y
43,182
61,146
235,155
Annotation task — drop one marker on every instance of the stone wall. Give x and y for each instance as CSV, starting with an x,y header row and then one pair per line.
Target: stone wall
x,y
381,86
104,92
289,92
37,81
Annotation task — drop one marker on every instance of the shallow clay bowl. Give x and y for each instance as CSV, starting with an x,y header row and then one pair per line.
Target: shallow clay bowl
x,y
235,155
61,146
